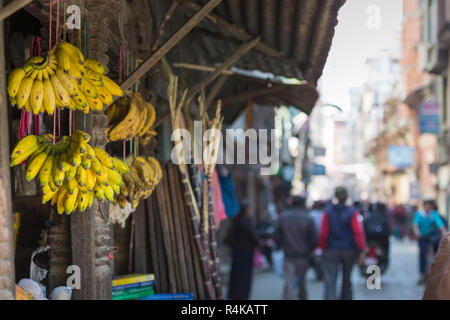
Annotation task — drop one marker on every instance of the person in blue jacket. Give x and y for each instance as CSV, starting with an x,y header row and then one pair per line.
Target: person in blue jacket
x,y
428,228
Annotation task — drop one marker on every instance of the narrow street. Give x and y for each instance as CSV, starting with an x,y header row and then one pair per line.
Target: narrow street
x,y
398,283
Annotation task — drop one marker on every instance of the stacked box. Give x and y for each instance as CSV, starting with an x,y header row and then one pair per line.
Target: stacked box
x,y
133,286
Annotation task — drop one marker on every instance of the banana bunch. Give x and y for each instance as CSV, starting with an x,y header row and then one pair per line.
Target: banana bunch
x,y
71,172
64,79
140,181
131,117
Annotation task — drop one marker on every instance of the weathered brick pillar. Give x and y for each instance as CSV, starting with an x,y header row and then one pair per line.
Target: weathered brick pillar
x,y
6,234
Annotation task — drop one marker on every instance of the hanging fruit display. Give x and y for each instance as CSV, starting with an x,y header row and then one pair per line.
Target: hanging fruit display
x,y
130,117
64,79
71,172
140,181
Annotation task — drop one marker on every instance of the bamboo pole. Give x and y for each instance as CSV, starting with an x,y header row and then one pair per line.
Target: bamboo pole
x,y
177,123
197,67
187,251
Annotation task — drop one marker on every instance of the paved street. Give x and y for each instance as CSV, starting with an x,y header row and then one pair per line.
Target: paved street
x,y
397,283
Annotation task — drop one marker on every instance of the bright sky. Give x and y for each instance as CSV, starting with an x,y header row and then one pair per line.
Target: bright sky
x,y
354,42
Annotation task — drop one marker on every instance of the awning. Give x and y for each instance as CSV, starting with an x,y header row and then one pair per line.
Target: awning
x,y
296,36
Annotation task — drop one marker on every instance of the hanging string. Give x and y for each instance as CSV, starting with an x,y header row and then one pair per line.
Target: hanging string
x,y
52,2
24,124
65,19
36,47
70,123
122,63
85,51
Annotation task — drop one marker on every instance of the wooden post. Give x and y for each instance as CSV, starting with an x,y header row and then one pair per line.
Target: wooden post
x,y
243,49
169,44
13,7
6,232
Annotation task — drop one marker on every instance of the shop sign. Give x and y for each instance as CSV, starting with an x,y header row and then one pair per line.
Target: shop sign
x,y
319,170
401,156
429,117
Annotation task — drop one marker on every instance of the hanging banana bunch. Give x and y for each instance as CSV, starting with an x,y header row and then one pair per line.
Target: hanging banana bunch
x,y
71,172
140,181
65,79
130,117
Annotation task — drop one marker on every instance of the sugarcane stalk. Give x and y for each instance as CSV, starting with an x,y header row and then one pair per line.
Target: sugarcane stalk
x,y
213,244
176,117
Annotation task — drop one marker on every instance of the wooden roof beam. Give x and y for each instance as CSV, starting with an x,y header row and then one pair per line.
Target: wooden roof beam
x,y
243,49
12,8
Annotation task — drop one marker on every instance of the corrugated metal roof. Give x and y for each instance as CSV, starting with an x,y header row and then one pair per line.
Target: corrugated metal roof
x,y
301,31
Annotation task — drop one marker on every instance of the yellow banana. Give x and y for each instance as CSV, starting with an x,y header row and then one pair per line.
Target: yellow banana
x,y
36,161
70,201
99,191
104,95
90,180
60,92
108,192
104,157
96,166
60,201
63,60
14,80
71,185
112,87
49,97
80,100
46,170
88,89
72,51
24,92
81,176
121,166
95,66
71,173
114,177
36,96
68,83
26,146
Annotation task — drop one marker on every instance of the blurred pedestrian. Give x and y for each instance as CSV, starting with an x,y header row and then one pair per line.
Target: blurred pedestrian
x,y
400,222
296,234
243,239
341,240
316,213
378,231
428,228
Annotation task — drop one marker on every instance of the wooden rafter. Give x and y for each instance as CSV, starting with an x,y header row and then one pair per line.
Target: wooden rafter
x,y
243,49
252,94
13,7
169,44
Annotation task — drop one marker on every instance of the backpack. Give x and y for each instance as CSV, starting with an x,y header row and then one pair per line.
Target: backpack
x,y
376,225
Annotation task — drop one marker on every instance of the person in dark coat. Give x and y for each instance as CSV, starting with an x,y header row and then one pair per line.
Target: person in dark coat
x,y
341,240
296,234
243,240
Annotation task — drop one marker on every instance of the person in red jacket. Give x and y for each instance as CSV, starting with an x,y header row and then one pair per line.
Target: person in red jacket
x,y
341,240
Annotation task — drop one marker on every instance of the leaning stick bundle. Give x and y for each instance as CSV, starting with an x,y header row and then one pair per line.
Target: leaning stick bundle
x,y
210,155
176,118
